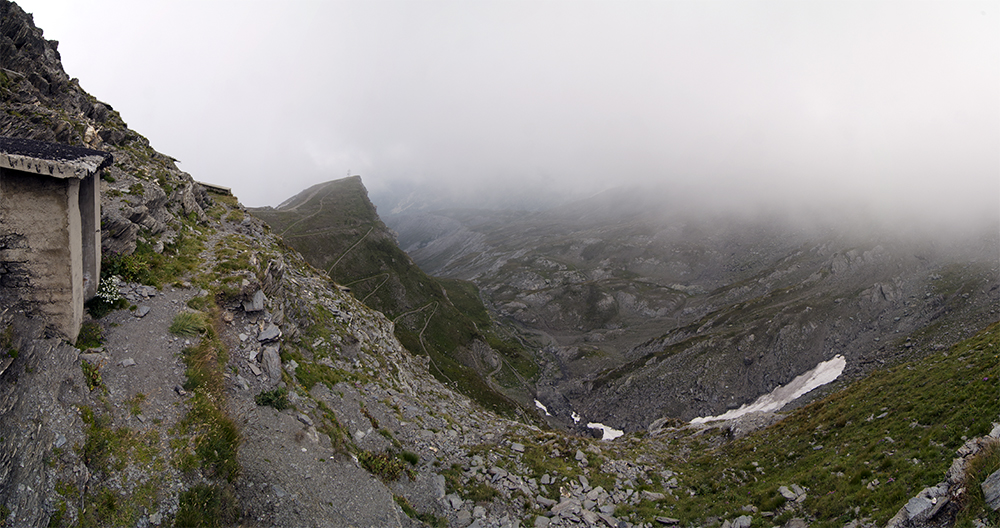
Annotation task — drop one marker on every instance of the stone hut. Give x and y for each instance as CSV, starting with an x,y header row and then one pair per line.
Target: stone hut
x,y
50,230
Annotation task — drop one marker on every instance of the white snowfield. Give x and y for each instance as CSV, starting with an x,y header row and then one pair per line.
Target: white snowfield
x,y
824,373
609,432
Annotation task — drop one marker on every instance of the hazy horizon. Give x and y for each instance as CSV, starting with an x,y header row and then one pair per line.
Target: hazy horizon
x,y
831,106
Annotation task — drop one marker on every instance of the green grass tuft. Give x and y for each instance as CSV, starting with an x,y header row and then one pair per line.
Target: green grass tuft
x,y
277,398
91,336
189,324
205,505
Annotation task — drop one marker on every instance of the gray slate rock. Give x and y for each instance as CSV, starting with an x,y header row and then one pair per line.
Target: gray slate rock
x,y
991,490
93,359
256,304
272,364
271,332
743,521
142,310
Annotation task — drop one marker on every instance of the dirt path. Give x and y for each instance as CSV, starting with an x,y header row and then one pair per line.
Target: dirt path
x,y
144,358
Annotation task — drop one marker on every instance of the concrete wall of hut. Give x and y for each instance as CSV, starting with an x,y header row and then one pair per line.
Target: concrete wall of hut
x,y
42,242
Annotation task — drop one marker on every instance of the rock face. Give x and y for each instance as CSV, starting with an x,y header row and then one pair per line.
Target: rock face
x,y
40,394
147,192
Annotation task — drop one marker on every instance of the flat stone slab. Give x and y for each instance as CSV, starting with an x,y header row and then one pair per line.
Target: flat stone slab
x,y
270,332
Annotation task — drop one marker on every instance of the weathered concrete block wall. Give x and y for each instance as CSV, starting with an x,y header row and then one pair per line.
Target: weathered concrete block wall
x,y
90,223
41,248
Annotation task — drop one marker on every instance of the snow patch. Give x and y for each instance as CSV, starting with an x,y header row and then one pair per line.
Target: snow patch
x,y
609,432
576,417
542,407
824,373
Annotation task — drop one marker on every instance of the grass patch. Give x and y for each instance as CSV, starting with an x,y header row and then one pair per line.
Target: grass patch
x,y
205,505
92,375
146,266
135,403
189,324
91,336
899,427
428,519
277,398
330,426
385,465
109,449
7,348
213,438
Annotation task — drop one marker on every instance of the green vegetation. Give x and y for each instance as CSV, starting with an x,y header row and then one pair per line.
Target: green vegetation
x,y
277,398
135,403
473,491
189,324
428,519
207,506
870,447
330,426
91,336
92,376
386,465
212,436
107,299
338,230
107,451
146,266
7,348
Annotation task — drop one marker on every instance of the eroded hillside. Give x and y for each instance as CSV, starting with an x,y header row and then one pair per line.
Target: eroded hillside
x,y
337,229
650,314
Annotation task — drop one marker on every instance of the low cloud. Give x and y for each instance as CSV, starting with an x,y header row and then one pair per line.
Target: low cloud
x,y
888,107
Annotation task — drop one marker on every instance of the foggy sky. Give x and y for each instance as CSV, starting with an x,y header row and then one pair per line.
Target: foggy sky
x,y
893,105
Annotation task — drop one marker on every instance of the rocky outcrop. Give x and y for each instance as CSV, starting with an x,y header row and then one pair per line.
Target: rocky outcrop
x,y
938,505
39,395
38,100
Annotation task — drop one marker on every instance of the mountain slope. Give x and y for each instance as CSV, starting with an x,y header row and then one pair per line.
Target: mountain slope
x,y
245,388
652,313
337,229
